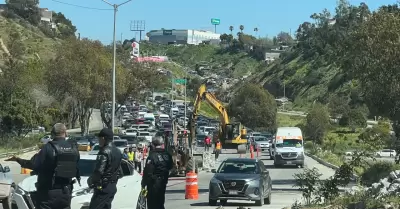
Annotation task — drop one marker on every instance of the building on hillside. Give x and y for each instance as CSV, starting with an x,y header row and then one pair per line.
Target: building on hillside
x,y
3,7
46,15
183,36
271,56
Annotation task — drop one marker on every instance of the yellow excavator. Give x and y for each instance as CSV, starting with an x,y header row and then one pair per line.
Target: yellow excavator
x,y
231,135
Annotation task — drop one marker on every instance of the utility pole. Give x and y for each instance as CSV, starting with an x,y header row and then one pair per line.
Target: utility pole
x,y
115,6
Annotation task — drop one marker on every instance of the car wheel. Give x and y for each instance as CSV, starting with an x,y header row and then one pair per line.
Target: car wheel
x,y
223,202
212,202
267,200
7,202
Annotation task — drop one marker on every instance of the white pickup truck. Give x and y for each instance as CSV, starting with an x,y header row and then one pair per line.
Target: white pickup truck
x,y
145,134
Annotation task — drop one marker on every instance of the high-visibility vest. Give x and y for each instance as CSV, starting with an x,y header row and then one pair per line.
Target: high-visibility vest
x,y
131,156
218,145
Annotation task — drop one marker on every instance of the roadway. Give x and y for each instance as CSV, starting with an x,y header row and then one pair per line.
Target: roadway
x,y
283,194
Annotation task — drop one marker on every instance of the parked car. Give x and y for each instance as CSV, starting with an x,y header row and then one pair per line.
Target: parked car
x,y
386,153
240,179
25,193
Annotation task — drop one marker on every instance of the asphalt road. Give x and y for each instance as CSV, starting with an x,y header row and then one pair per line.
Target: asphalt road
x,y
282,183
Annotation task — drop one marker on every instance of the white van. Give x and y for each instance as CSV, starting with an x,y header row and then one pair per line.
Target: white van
x,y
288,147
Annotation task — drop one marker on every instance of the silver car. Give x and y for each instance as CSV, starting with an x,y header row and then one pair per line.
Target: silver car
x,y
240,179
262,143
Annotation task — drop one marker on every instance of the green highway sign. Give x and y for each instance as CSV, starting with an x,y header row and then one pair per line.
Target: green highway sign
x,y
180,81
215,21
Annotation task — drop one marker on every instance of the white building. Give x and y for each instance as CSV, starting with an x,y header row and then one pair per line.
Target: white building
x,y
173,36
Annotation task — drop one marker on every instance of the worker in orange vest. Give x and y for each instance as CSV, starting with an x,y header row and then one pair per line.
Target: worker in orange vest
x,y
217,149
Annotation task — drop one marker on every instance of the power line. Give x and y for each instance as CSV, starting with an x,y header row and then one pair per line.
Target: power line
x,y
83,7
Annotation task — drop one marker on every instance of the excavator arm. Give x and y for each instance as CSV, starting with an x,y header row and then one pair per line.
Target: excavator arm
x,y
229,134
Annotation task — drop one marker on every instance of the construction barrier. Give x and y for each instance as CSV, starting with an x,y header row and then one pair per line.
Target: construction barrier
x,y
192,188
84,148
251,152
26,171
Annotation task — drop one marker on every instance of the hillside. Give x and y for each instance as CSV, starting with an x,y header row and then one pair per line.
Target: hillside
x,y
33,38
313,70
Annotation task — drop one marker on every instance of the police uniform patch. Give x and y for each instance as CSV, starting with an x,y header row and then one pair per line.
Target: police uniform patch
x,y
148,161
160,159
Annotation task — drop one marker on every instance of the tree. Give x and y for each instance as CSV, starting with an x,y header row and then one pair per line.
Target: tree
x,y
317,123
337,106
284,38
256,30
18,111
231,28
371,55
83,72
354,118
241,28
254,107
27,9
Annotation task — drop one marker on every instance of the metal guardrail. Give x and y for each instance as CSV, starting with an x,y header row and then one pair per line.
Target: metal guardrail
x,y
8,154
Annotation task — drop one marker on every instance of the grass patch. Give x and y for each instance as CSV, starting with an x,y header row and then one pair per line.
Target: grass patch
x,y
284,120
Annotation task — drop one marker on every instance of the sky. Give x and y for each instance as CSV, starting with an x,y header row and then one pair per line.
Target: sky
x,y
94,18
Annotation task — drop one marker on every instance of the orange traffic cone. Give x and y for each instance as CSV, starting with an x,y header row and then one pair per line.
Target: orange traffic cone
x,y
251,152
192,189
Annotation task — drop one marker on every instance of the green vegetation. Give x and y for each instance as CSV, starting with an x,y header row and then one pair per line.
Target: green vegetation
x,y
42,83
254,107
284,120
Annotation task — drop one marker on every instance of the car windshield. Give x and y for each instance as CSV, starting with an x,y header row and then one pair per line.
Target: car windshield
x,y
238,167
86,167
144,134
290,143
120,143
260,139
96,147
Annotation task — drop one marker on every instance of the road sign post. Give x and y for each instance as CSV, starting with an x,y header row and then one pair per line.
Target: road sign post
x,y
215,22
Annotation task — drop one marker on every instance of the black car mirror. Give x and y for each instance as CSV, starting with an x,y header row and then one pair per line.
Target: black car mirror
x,y
213,171
6,169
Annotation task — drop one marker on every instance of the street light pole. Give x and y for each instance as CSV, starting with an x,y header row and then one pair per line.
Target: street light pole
x,y
115,6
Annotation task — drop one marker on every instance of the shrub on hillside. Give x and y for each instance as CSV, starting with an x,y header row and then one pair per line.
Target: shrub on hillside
x,y
354,118
317,123
377,171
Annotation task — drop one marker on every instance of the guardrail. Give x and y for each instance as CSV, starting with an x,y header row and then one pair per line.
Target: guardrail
x,y
36,147
8,154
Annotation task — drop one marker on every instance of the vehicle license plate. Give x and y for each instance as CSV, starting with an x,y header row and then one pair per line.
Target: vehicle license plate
x,y
289,162
233,192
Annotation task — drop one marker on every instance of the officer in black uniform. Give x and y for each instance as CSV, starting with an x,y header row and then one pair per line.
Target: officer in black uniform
x,y
107,172
156,173
55,164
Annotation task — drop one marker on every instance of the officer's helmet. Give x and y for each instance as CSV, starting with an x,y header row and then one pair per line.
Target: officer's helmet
x,y
157,141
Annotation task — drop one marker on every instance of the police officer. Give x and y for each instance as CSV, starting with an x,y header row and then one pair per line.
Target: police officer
x,y
55,164
106,173
155,174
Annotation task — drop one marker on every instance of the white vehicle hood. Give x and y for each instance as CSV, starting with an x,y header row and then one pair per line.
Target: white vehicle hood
x,y
128,187
28,184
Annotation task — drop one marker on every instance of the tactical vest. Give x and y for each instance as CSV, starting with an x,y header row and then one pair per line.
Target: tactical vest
x,y
66,155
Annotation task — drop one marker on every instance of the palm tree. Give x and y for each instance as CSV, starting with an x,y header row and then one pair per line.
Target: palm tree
x,y
256,30
231,28
241,27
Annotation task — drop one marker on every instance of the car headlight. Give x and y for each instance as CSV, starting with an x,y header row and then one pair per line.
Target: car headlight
x,y
300,153
215,181
81,192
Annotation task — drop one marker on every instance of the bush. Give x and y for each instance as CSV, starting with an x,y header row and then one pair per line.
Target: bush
x,y
18,143
377,171
317,123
